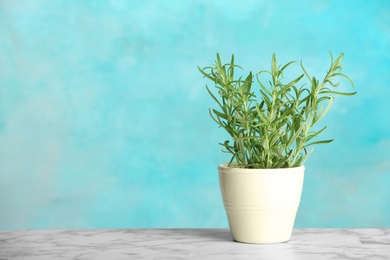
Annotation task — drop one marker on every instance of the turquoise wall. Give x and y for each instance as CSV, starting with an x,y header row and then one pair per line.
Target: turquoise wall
x,y
104,121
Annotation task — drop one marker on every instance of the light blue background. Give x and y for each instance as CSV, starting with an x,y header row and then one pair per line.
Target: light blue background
x,y
104,122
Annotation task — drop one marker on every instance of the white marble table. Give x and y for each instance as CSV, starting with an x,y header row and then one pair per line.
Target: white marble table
x,y
112,244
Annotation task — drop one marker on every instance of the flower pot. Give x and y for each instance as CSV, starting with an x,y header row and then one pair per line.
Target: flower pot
x,y
261,204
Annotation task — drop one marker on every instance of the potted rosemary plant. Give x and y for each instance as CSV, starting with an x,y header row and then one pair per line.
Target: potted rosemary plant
x,y
273,130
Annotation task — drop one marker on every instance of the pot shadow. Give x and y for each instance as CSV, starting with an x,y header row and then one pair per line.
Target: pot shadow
x,y
214,234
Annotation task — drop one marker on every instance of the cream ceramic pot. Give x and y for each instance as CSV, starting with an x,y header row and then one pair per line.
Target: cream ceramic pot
x,y
261,204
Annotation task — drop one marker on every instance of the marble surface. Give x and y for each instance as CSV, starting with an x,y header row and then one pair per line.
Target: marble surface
x,y
172,244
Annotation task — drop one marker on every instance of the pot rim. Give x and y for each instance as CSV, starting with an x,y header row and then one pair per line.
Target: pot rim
x,y
223,167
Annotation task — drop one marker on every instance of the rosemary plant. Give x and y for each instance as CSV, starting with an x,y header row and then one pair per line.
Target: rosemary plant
x,y
273,128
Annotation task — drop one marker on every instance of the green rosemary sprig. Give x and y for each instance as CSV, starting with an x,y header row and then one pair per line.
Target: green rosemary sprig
x,y
274,129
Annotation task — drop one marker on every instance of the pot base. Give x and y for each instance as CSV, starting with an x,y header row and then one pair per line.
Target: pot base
x,y
271,226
